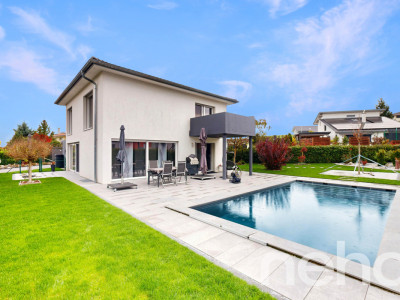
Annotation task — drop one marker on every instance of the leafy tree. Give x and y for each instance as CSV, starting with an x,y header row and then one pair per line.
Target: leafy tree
x,y
44,129
22,131
262,128
345,140
28,150
382,105
56,143
237,143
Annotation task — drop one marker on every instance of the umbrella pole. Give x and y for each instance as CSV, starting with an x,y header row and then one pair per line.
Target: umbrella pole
x,y
122,173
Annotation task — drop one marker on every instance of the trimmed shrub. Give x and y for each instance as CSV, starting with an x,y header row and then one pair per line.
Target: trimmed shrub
x,y
381,156
5,159
274,153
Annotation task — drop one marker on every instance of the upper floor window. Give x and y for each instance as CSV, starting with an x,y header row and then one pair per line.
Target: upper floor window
x,y
88,111
351,116
203,110
69,121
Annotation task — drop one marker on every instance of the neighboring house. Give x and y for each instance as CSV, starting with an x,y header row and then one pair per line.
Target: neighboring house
x,y
298,129
162,121
301,132
396,116
59,136
343,123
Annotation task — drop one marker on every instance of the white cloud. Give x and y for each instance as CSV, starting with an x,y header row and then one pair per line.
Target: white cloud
x,y
84,51
283,7
329,48
2,33
236,89
164,5
87,27
255,45
34,23
26,66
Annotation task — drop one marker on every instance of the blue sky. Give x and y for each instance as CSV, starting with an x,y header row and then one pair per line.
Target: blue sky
x,y
285,60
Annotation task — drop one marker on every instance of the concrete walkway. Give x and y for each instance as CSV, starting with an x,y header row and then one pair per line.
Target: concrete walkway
x,y
271,270
373,175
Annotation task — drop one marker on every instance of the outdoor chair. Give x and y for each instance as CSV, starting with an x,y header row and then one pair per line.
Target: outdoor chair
x,y
166,175
153,164
180,172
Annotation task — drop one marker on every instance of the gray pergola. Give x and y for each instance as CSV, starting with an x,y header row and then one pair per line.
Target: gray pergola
x,y
226,125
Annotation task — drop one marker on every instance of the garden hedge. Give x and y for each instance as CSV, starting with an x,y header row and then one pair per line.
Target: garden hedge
x,y
320,154
337,153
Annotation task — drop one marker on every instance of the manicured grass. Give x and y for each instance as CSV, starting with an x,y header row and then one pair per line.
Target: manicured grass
x,y
314,170
59,240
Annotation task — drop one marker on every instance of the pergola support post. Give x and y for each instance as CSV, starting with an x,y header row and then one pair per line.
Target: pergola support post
x,y
250,155
224,156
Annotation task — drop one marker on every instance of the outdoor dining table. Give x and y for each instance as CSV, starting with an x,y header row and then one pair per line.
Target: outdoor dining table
x,y
158,171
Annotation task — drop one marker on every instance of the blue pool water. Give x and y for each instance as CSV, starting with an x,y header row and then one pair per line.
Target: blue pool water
x,y
313,214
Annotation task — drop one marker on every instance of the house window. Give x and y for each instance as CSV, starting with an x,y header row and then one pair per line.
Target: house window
x,y
351,116
203,110
135,163
325,128
88,111
69,121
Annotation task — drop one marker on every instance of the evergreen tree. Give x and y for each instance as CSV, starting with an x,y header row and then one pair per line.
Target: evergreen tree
x,y
22,130
382,105
44,129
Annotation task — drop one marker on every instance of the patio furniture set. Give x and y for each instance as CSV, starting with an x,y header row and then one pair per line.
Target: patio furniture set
x,y
168,174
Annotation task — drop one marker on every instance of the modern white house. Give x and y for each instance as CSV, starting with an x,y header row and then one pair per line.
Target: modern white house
x,y
343,123
162,121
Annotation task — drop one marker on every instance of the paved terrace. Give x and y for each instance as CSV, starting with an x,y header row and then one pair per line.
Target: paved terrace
x,y
255,262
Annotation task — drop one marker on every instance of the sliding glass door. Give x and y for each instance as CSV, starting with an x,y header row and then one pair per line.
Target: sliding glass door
x,y
161,152
73,150
136,152
135,164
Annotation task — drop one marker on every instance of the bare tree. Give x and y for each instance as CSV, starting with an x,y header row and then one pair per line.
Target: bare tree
x,y
28,150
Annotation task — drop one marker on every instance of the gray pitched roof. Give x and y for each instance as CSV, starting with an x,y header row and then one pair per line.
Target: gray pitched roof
x,y
95,61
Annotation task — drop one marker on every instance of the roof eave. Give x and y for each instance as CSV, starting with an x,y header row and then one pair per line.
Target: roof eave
x,y
94,61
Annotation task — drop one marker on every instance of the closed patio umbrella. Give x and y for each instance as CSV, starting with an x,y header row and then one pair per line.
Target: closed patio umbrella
x,y
121,156
203,160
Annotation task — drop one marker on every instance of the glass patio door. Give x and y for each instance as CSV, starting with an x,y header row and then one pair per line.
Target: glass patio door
x,y
161,152
74,157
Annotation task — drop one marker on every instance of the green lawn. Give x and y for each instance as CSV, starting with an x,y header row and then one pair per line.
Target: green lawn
x,y
59,240
314,170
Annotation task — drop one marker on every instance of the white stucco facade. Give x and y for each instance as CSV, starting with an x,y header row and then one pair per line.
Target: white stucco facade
x,y
150,112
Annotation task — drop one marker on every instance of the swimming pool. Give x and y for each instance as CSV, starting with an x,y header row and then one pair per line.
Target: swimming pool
x,y
317,215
